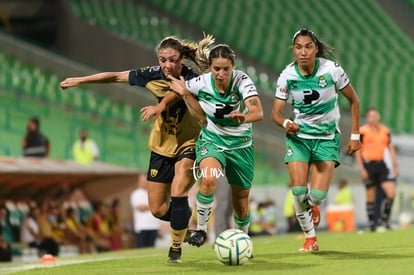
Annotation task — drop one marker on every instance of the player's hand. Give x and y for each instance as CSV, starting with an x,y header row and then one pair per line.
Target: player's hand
x,y
69,82
178,85
292,128
237,116
152,112
353,146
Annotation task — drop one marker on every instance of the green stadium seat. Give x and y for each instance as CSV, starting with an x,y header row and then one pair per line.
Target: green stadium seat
x,y
27,91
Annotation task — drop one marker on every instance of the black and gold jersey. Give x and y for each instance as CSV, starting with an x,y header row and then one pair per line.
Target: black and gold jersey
x,y
175,130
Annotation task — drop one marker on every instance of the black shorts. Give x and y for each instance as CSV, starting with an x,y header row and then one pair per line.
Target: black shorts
x,y
161,168
378,172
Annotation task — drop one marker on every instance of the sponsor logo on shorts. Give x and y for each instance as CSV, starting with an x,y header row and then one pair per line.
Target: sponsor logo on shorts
x,y
246,139
154,172
203,151
289,152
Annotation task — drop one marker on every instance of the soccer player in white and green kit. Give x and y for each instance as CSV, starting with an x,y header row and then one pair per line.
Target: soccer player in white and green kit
x,y
314,84
231,103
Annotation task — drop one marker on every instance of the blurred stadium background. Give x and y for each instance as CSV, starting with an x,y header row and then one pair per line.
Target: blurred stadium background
x,y
44,41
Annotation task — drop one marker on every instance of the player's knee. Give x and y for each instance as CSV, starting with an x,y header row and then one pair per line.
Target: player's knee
x,y
158,211
317,196
208,184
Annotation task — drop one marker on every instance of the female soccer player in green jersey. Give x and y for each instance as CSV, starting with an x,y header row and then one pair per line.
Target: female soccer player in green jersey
x,y
313,135
173,136
231,103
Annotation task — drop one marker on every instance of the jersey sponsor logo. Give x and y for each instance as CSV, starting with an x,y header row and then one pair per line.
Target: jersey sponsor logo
x,y
322,82
153,173
222,110
309,96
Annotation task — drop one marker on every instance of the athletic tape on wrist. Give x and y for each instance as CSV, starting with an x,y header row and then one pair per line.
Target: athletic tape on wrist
x,y
285,122
355,136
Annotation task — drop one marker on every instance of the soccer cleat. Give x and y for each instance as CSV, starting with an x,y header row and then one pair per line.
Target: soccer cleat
x,y
197,238
188,234
174,256
316,215
311,244
384,227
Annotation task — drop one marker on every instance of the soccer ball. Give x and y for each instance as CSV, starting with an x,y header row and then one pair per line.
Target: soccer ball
x,y
233,247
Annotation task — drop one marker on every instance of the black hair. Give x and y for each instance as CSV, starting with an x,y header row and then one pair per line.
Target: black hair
x,y
36,121
323,48
223,51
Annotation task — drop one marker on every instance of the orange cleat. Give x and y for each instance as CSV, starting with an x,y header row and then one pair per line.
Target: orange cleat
x,y
47,258
316,215
311,244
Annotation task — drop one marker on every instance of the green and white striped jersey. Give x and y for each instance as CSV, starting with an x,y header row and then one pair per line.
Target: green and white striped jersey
x,y
221,129
314,97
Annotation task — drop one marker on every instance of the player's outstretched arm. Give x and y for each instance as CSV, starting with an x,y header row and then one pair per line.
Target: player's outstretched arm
x,y
106,77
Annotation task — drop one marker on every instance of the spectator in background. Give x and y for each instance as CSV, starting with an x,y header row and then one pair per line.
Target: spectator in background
x,y
379,168
263,219
30,234
115,225
47,223
5,236
98,225
77,233
146,226
6,229
85,149
34,143
344,195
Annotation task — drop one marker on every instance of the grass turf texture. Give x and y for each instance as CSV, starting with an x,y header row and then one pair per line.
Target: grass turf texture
x,y
340,253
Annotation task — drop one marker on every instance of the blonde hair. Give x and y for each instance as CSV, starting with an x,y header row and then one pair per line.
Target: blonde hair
x,y
196,52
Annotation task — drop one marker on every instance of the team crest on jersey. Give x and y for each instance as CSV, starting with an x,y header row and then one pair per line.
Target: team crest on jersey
x,y
234,97
322,82
154,172
203,151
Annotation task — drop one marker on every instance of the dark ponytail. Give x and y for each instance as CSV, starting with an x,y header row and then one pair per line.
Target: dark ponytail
x,y
323,48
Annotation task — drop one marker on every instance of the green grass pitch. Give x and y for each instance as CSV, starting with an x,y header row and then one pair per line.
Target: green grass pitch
x,y
340,253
